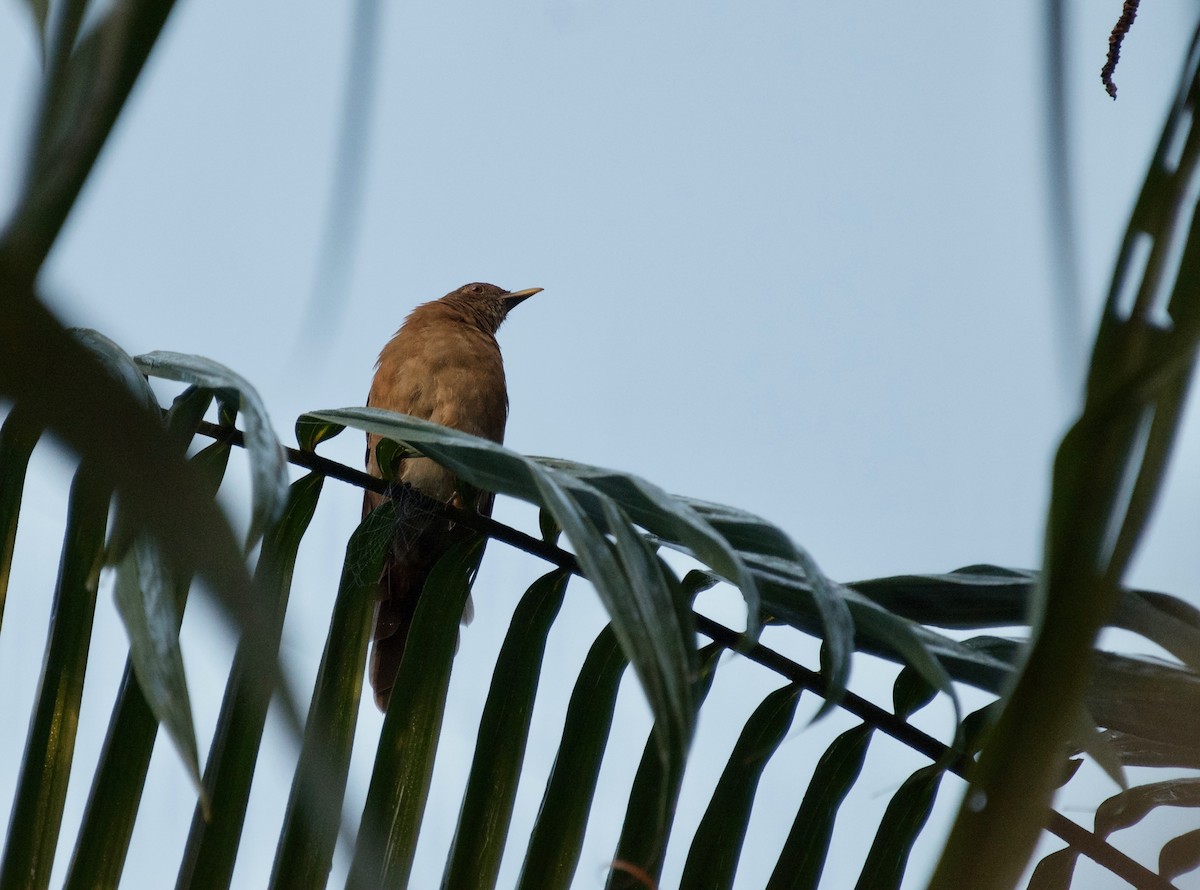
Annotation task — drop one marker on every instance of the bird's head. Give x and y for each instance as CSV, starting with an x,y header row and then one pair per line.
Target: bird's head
x,y
487,303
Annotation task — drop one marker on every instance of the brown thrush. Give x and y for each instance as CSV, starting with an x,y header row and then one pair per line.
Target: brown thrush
x,y
443,365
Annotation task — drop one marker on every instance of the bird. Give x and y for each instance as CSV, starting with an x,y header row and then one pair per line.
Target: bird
x,y
442,365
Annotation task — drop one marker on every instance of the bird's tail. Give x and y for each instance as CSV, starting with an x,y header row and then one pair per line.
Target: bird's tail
x,y
416,549
399,587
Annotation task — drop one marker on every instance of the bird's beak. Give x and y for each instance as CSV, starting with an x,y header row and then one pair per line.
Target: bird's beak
x,y
513,297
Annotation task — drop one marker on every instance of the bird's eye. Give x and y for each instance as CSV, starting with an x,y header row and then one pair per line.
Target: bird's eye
x,y
477,289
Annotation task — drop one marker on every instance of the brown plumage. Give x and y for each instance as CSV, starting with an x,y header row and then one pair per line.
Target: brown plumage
x,y
442,365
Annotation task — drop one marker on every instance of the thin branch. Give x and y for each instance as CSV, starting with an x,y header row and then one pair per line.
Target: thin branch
x,y
1075,835
1115,39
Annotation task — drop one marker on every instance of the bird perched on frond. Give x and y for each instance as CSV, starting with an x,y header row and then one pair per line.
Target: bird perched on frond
x,y
443,365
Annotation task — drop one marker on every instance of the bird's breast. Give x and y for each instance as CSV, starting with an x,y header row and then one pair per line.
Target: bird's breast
x,y
454,378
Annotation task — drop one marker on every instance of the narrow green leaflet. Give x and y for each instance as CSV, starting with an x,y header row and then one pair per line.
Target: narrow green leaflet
x,y
268,465
974,596
1145,697
675,657
311,432
391,819
981,596
642,847
1055,871
750,534
910,693
634,605
1134,750
212,844
145,596
1180,855
1070,769
879,632
713,857
1167,403
1138,696
17,438
42,787
103,841
1093,743
483,822
120,365
314,809
1172,624
670,519
1172,606
972,731
553,851
906,640
803,856
116,793
148,599
186,413
747,532
905,816
389,454
1130,807
788,595
548,527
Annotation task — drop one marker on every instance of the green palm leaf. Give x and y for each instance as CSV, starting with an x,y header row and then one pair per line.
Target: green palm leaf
x,y
557,838
713,857
212,844
310,824
391,820
479,839
42,787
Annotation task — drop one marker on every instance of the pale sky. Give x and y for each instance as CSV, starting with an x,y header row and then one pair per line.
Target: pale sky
x,y
794,258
